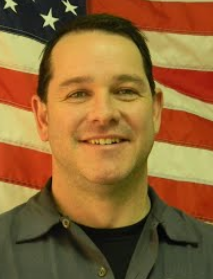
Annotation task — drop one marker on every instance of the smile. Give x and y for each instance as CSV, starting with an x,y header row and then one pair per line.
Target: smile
x,y
105,141
105,145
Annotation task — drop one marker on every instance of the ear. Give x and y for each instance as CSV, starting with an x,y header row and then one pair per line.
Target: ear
x,y
41,116
157,109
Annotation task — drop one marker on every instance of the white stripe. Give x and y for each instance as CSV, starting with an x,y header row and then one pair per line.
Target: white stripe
x,y
19,128
177,101
181,51
168,50
181,163
12,195
19,53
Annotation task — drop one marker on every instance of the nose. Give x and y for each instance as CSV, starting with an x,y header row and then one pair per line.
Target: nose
x,y
103,109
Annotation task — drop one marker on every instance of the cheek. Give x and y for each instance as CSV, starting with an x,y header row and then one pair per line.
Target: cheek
x,y
61,123
142,121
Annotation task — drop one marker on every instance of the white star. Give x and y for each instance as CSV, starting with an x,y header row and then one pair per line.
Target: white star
x,y
70,7
10,4
49,20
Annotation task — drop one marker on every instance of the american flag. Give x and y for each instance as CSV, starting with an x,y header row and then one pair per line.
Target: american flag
x,y
180,38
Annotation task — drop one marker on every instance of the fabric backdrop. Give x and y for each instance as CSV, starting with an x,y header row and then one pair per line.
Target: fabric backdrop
x,y
180,37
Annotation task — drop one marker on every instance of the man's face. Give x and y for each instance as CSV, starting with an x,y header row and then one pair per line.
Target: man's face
x,y
98,90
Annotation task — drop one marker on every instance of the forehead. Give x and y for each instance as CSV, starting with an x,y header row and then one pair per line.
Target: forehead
x,y
92,52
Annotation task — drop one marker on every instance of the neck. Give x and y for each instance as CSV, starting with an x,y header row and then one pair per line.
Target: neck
x,y
101,206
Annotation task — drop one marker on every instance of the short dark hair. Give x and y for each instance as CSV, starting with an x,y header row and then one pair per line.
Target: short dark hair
x,y
102,22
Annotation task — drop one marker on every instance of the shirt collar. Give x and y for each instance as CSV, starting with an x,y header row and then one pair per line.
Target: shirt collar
x,y
40,214
177,226
37,216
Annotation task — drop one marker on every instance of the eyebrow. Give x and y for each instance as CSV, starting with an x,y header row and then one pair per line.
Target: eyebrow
x,y
76,80
129,78
119,78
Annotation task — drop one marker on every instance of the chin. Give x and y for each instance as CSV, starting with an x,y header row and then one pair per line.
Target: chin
x,y
106,177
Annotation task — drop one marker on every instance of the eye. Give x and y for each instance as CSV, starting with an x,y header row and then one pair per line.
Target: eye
x,y
77,94
127,92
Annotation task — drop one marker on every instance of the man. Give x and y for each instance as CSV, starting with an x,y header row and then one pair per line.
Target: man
x,y
98,107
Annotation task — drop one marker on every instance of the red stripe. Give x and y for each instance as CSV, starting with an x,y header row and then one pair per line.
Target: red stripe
x,y
24,166
196,84
190,18
16,88
185,129
195,199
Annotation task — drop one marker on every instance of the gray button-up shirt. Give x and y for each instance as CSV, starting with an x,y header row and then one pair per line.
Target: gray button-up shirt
x,y
36,242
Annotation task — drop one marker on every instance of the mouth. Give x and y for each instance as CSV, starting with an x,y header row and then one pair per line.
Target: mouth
x,y
109,144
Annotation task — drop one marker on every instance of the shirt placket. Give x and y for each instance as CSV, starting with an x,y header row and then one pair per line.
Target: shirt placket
x,y
89,255
145,254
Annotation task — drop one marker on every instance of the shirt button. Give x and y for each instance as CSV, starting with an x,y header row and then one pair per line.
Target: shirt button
x,y
102,271
65,223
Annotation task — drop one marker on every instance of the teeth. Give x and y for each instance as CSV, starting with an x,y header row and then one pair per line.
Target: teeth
x,y
104,141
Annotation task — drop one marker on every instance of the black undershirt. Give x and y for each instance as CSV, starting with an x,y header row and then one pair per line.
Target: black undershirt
x,y
117,245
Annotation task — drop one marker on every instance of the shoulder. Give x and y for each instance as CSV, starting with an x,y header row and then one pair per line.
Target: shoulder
x,y
178,225
8,223
7,217
185,245
183,228
203,229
